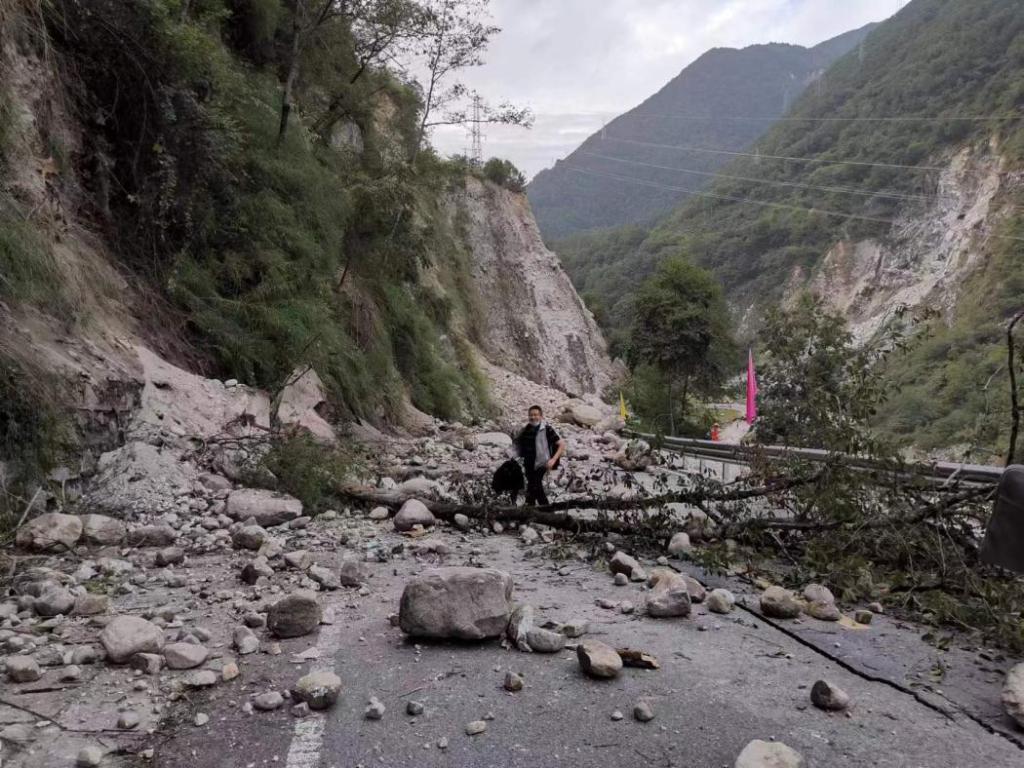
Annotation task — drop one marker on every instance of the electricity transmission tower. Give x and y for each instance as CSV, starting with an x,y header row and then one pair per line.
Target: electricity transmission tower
x,y
477,156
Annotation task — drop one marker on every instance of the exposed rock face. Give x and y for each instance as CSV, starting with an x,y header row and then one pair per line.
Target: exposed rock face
x,y
926,257
299,405
457,603
537,324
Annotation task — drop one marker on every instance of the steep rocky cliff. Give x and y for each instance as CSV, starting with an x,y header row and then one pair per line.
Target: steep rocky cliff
x,y
534,323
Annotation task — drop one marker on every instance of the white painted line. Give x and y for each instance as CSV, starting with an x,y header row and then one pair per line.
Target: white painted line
x,y
308,734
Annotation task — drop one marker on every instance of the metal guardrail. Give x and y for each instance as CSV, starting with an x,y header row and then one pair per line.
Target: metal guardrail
x,y
731,453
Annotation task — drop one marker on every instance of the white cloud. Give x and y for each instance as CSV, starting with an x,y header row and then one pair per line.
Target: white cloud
x,y
578,63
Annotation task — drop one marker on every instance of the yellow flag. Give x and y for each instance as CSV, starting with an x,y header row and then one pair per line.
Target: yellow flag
x,y
622,407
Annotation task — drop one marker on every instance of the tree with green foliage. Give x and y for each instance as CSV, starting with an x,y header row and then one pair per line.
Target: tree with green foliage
x,y
505,174
681,327
817,387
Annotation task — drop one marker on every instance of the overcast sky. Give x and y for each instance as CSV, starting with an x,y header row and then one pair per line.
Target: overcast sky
x,y
577,63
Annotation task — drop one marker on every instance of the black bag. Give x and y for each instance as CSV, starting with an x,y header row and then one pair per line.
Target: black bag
x,y
1004,537
508,478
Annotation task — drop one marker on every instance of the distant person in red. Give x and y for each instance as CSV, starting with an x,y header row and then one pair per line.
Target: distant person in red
x,y
541,449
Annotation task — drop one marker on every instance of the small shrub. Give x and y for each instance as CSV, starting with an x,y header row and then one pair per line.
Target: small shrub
x,y
308,470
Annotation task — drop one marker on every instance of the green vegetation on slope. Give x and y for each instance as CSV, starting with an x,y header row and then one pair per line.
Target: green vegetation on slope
x,y
274,255
936,58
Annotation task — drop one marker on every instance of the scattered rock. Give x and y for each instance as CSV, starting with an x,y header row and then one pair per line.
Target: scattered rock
x,y
23,669
413,513
493,439
325,577
780,603
90,605
823,611
170,556
124,636
817,593
268,702
258,569
374,709
353,573
1013,694
643,712
519,625
89,757
768,754
200,678
318,689
876,608
200,719
51,531
249,537
103,530
461,522
146,663
623,563
545,641
295,615
598,660
128,720
669,596
379,513
457,603
680,544
152,536
54,601
617,716
863,616
695,588
513,682
575,628
414,708
267,508
184,655
621,579
828,696
476,727
721,601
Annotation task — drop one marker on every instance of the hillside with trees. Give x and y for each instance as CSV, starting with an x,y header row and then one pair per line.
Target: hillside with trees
x,y
890,151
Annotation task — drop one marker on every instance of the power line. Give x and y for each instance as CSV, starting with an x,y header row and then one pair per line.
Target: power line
x,y
732,153
763,203
887,119
844,190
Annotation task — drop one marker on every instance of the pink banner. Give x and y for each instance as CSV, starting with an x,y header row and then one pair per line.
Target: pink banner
x,y
751,389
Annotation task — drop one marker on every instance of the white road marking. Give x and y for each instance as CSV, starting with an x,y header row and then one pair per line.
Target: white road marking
x,y
308,734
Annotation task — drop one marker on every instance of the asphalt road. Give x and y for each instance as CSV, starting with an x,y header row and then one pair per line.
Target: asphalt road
x,y
724,680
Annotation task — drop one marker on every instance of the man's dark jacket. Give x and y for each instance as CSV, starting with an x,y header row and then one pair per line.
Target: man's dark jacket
x,y
527,444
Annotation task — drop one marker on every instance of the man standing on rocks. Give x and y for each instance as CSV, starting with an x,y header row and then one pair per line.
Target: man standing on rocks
x,y
541,449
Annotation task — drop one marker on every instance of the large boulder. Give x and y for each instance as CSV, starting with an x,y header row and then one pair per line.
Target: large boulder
x,y
125,636
55,600
1013,694
769,754
103,530
670,595
295,615
457,603
413,513
51,531
318,689
152,536
268,508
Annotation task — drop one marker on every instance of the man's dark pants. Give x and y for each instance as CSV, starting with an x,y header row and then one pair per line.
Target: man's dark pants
x,y
535,486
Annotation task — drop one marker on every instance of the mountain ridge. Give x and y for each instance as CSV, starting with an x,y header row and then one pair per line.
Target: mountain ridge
x,y
696,107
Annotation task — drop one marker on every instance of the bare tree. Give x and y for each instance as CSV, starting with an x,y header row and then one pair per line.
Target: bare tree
x,y
454,37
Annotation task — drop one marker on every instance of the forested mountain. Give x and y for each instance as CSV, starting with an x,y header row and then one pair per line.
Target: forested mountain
x,y
696,108
894,181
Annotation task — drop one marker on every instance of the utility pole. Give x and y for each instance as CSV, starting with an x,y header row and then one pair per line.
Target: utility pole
x,y
477,157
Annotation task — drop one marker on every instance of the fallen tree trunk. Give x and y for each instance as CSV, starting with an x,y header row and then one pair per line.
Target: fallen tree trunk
x,y
554,515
